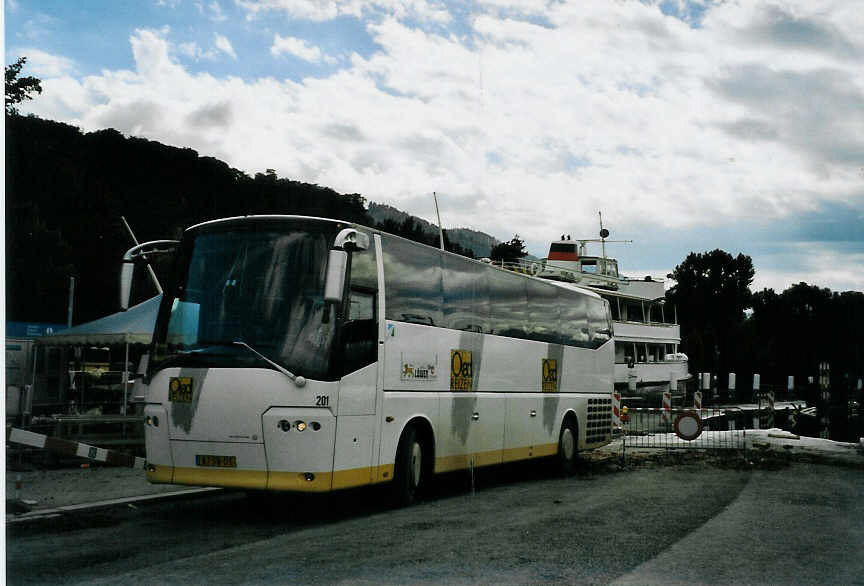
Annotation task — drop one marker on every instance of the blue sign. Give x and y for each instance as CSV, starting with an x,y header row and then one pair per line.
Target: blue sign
x,y
20,329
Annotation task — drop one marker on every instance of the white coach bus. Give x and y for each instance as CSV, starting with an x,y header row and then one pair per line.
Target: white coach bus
x,y
306,354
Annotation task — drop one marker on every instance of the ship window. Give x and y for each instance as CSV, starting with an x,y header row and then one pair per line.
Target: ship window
x,y
633,311
621,353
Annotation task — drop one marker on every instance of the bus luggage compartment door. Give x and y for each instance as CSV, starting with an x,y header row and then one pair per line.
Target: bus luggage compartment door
x,y
299,444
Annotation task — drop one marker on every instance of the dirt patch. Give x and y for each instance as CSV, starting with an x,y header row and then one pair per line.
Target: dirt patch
x,y
50,488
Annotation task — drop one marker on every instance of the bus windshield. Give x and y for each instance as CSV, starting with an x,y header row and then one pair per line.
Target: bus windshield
x,y
256,282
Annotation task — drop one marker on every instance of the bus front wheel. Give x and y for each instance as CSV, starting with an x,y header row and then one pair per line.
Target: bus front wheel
x,y
408,477
568,447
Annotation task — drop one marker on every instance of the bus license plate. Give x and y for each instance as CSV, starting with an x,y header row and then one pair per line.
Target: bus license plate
x,y
216,461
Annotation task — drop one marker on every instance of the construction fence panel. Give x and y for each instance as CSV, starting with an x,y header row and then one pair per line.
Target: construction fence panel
x,y
703,429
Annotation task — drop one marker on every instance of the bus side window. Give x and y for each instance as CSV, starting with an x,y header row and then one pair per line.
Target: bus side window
x,y
360,332
361,305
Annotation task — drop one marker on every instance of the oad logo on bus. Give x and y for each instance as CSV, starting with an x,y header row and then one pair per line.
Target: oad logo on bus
x,y
461,370
550,375
180,389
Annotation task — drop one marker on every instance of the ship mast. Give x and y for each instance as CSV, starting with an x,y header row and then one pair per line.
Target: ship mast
x,y
603,234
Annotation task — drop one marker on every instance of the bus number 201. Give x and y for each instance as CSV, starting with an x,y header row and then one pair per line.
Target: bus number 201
x,y
322,400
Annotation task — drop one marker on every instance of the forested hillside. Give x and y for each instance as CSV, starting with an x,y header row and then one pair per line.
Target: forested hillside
x,y
67,190
479,242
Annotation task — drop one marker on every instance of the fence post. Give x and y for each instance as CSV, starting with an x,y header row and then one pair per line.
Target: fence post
x,y
766,413
731,386
667,407
825,399
756,385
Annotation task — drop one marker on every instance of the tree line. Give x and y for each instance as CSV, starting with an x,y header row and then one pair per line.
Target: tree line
x,y
727,328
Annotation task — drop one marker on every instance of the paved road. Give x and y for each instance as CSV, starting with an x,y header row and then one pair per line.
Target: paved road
x,y
652,524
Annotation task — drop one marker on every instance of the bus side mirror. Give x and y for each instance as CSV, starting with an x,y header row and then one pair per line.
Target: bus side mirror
x,y
138,254
334,286
337,263
126,272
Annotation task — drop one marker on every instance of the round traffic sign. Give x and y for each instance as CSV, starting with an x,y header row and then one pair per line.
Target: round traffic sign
x,y
688,425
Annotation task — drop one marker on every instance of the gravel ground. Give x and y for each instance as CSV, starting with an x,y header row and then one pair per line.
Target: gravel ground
x,y
58,487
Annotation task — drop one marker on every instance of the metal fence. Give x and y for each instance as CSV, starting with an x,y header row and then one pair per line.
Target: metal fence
x,y
704,429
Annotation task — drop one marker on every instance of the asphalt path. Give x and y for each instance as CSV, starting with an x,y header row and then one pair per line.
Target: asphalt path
x,y
672,523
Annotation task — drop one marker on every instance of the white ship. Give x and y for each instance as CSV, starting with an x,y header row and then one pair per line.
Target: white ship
x,y
648,359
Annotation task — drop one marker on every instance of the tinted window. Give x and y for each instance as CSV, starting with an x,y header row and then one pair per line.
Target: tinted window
x,y
543,318
507,304
466,295
574,318
413,282
598,325
364,268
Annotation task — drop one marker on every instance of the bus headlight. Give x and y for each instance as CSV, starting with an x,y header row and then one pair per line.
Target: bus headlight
x,y
300,425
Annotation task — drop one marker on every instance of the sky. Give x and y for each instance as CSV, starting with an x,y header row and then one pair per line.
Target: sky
x,y
690,124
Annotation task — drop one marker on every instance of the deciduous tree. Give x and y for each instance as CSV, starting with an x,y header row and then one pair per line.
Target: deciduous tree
x,y
19,89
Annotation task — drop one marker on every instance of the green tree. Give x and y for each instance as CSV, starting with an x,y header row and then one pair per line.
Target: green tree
x,y
509,251
19,89
712,291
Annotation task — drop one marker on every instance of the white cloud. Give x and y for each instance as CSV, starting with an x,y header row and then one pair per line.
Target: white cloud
x,y
42,64
820,264
298,48
320,10
519,126
211,10
224,45
191,50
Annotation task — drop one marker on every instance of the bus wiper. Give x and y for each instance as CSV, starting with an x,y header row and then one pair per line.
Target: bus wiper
x,y
298,380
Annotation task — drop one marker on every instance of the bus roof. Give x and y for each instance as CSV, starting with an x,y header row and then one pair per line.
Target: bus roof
x,y
570,286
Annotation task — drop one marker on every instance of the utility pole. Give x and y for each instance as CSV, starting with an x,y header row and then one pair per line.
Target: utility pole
x,y
71,302
440,229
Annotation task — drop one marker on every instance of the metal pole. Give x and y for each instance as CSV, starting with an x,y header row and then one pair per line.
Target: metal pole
x,y
437,213
126,379
27,409
71,302
150,270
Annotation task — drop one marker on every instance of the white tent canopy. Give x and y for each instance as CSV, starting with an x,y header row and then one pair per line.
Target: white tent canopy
x,y
133,326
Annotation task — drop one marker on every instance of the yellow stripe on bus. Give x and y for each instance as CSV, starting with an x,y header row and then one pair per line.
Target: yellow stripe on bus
x,y
220,477
492,457
325,481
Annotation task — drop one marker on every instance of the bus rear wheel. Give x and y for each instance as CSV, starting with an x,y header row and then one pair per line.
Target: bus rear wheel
x,y
568,447
409,476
